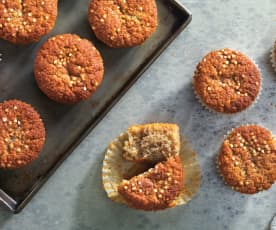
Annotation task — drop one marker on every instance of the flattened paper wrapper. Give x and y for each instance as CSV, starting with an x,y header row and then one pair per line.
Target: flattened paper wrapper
x,y
116,168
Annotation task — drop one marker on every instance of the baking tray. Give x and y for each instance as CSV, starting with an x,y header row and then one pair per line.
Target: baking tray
x,y
67,125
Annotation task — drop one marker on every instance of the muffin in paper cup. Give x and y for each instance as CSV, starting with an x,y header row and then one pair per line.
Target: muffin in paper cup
x,y
216,88
247,148
273,56
116,168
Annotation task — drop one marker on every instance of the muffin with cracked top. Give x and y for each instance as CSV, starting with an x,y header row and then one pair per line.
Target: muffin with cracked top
x,y
68,69
227,81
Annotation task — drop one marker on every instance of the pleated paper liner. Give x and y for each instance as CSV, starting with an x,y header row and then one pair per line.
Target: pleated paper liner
x,y
116,168
273,223
272,57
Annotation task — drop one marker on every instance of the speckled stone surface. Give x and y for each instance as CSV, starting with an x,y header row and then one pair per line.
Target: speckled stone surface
x,y
73,198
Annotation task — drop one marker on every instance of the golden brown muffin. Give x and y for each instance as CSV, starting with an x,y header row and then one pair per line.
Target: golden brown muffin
x,y
23,22
227,81
123,23
22,134
155,189
152,142
247,159
68,69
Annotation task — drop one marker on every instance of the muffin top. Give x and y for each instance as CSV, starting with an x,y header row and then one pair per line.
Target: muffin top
x,y
156,188
123,23
247,159
22,134
227,81
68,69
23,22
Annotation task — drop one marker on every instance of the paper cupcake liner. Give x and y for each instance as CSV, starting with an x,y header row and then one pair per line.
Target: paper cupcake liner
x,y
205,106
273,223
115,167
217,155
272,57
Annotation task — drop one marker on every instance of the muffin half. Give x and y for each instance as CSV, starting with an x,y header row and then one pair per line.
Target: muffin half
x,y
156,188
152,142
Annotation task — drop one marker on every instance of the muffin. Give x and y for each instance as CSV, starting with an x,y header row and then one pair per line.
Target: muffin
x,y
123,23
152,142
68,69
247,159
22,134
156,188
23,22
146,184
227,81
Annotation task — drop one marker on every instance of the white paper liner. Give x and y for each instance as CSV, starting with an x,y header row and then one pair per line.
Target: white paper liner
x,y
273,223
205,106
114,167
272,57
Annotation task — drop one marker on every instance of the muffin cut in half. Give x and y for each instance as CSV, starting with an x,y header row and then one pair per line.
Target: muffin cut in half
x,y
152,142
156,188
161,173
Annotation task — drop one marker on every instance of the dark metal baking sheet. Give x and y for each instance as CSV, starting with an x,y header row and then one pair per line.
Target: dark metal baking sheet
x,y
67,125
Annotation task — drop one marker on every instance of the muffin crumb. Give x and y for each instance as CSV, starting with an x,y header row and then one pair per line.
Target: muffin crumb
x,y
152,142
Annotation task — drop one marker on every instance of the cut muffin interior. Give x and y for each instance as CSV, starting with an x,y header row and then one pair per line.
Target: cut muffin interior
x,y
156,188
136,168
152,142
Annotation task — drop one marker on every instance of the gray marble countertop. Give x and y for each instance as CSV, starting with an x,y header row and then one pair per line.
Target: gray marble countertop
x,y
73,198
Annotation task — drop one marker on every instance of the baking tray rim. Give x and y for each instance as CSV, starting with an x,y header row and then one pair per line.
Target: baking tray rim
x,y
16,207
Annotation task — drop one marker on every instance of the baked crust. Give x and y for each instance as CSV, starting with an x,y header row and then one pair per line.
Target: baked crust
x,y
247,159
68,69
23,22
123,23
22,134
227,81
155,189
